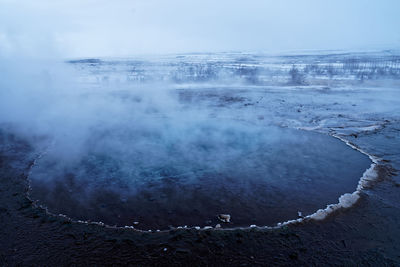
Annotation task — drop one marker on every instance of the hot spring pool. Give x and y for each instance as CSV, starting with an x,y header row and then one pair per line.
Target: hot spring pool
x,y
188,174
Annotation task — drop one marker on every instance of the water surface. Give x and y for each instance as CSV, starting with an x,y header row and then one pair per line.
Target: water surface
x,y
187,176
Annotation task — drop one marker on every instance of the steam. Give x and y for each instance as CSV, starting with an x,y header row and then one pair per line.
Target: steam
x,y
136,124
120,137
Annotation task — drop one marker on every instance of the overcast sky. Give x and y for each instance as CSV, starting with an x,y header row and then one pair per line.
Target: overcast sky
x,y
83,28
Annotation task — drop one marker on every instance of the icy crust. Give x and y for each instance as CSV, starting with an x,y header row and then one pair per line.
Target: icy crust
x,y
345,201
374,159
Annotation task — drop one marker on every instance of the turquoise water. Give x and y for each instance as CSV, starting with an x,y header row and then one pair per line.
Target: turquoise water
x,y
258,174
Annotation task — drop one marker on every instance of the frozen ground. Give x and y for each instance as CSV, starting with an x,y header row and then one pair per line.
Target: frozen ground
x,y
358,102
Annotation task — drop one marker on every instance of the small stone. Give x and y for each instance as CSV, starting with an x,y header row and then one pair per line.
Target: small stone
x,y
224,218
253,225
207,227
300,214
197,227
165,249
218,226
135,223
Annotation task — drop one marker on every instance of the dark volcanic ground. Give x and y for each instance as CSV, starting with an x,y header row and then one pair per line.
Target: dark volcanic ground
x,y
365,234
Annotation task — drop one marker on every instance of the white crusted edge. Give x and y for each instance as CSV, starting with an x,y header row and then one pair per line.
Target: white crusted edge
x,y
346,200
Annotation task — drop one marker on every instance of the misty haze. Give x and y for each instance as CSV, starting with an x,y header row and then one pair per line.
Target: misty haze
x,y
229,133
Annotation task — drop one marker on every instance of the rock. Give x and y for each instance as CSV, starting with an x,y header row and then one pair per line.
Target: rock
x,y
218,226
226,218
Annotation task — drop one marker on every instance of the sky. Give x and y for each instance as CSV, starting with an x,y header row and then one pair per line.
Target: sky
x,y
89,28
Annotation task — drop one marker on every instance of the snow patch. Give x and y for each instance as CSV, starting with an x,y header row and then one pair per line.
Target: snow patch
x,y
345,201
369,176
